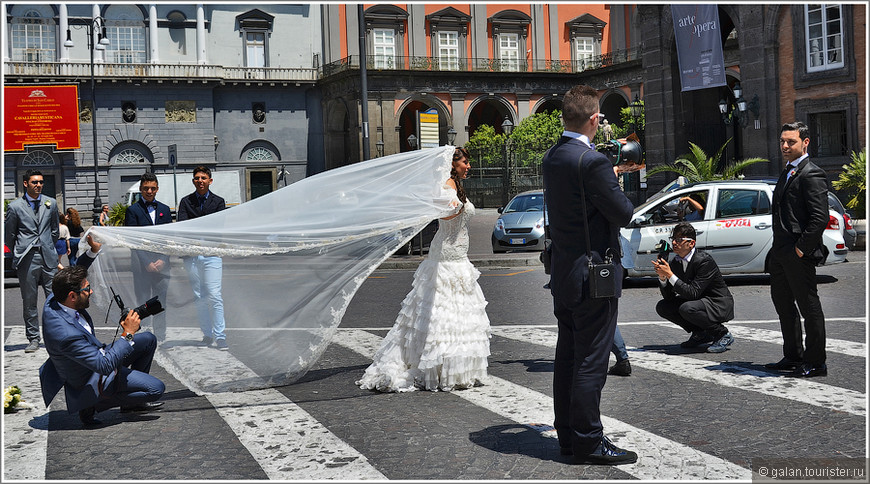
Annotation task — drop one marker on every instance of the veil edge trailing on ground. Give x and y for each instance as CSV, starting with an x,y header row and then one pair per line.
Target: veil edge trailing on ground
x,y
291,260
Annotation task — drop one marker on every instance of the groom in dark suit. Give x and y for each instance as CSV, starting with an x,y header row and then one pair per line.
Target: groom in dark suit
x,y
695,295
150,269
95,376
586,324
800,215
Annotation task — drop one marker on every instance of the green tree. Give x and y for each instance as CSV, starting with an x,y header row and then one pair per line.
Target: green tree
x,y
117,213
853,180
534,136
696,166
485,147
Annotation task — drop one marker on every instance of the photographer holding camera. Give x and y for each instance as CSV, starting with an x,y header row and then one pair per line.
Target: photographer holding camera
x,y
695,295
95,376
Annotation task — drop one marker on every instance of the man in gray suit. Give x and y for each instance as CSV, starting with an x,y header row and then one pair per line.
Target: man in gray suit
x,y
32,232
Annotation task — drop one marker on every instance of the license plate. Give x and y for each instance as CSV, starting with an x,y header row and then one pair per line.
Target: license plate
x,y
518,241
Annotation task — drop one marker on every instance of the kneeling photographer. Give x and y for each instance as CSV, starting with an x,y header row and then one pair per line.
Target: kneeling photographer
x,y
696,297
95,376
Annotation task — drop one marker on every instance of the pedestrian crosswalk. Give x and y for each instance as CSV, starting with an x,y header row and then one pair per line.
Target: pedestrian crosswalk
x,y
288,442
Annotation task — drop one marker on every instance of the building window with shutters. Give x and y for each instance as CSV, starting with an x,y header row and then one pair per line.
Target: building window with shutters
x,y
385,36
448,31
824,37
384,42
125,28
586,33
509,31
829,132
256,26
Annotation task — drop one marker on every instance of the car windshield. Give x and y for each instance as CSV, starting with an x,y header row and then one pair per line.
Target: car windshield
x,y
526,203
835,203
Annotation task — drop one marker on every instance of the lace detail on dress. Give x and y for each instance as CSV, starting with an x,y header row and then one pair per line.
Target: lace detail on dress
x,y
451,240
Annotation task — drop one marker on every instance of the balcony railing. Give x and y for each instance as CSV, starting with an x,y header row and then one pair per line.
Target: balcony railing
x,y
163,71
419,63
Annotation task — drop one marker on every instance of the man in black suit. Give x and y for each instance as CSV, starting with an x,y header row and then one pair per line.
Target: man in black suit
x,y
800,215
695,295
586,324
150,269
205,272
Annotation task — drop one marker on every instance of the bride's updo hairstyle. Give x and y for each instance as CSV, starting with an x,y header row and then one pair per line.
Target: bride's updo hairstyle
x,y
459,154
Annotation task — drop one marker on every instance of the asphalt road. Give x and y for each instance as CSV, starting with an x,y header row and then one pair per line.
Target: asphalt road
x,y
689,415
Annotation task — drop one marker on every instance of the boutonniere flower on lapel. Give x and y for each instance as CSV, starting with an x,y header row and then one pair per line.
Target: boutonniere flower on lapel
x,y
161,214
791,173
48,204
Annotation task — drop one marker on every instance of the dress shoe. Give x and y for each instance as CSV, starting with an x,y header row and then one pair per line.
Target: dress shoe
x,y
566,451
807,370
221,344
607,454
87,417
621,368
32,346
145,407
784,364
697,339
206,341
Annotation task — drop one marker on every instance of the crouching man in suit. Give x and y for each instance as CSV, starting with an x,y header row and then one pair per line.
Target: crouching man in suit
x,y
695,295
95,376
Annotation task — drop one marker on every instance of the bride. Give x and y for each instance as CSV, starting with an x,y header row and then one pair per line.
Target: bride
x,y
440,340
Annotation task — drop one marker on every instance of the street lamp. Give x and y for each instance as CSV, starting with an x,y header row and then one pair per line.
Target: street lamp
x,y
451,135
506,126
737,113
412,141
98,25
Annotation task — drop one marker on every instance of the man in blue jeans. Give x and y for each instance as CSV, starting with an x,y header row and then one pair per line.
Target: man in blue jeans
x,y
205,272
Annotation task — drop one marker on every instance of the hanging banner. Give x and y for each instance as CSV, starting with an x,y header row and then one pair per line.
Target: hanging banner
x,y
429,129
699,46
41,115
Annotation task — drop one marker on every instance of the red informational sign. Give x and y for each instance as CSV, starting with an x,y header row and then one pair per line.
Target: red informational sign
x,y
41,115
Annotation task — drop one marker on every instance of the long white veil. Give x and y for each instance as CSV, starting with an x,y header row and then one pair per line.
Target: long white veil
x,y
292,261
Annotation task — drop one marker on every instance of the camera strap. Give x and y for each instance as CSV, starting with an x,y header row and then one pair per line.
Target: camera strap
x,y
607,256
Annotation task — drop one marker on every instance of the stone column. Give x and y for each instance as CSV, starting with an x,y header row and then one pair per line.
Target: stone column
x,y
201,58
99,54
152,33
63,20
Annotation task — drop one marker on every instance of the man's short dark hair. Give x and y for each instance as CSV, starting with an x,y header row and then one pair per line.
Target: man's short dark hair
x,y
202,169
148,177
579,104
802,129
66,280
29,173
684,230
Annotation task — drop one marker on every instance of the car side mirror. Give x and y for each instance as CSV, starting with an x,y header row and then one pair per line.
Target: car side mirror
x,y
500,209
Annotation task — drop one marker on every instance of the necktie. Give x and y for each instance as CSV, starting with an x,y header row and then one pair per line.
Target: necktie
x,y
35,205
201,202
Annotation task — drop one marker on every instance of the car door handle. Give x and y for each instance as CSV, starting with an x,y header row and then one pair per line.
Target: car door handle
x,y
763,226
699,232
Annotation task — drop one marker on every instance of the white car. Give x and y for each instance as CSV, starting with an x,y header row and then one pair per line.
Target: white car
x,y
735,226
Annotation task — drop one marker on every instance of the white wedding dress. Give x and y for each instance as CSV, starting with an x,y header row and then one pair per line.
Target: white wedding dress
x,y
440,340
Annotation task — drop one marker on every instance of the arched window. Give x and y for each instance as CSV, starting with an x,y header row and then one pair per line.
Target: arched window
x,y
38,158
259,153
34,37
129,156
125,27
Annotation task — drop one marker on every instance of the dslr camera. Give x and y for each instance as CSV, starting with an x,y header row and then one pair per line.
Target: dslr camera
x,y
149,308
626,151
664,249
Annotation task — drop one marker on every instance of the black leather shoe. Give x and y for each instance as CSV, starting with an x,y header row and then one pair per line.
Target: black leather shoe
x,y
87,417
607,454
566,451
784,364
807,370
145,407
621,368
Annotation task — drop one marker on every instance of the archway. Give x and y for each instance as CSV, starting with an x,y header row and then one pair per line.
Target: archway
x,y
547,105
408,121
611,105
490,111
338,139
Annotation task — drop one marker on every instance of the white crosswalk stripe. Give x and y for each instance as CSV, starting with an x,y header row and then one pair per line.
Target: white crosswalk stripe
x,y
832,345
723,374
661,459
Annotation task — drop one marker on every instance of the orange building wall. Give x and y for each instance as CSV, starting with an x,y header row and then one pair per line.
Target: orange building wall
x,y
569,12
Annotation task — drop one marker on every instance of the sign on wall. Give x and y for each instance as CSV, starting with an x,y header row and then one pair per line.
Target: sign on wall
x,y
41,115
429,129
699,46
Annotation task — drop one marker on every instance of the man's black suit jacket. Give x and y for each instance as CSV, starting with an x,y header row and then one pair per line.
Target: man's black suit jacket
x,y
188,208
800,208
703,281
137,216
608,209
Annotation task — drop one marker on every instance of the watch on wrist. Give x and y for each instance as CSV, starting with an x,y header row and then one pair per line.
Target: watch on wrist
x,y
128,336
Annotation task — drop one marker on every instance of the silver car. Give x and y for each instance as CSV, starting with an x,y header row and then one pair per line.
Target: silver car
x,y
521,224
734,225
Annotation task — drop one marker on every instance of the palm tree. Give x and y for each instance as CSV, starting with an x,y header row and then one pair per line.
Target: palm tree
x,y
854,178
696,166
